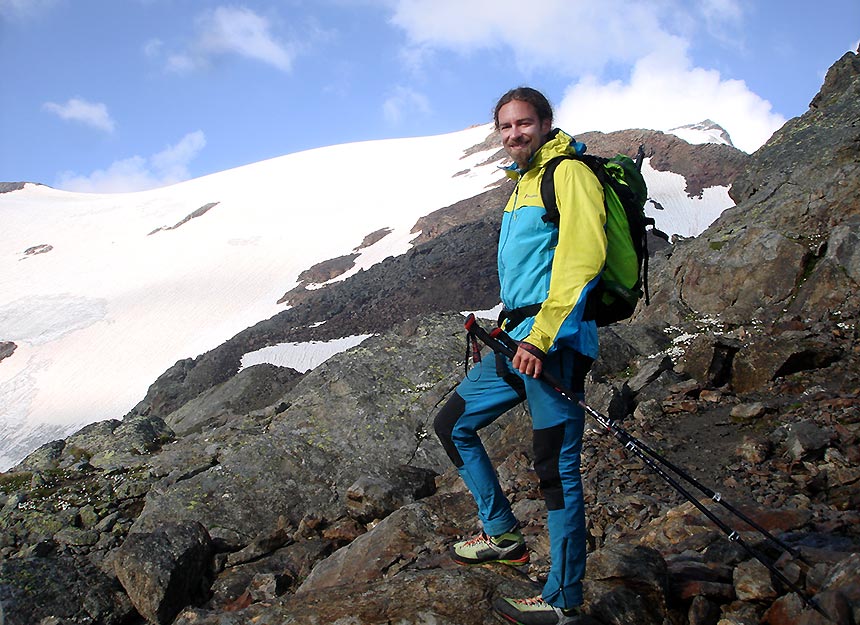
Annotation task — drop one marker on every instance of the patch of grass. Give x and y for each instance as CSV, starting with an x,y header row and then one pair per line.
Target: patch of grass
x,y
13,482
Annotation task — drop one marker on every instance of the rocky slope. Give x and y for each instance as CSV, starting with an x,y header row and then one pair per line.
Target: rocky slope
x,y
273,497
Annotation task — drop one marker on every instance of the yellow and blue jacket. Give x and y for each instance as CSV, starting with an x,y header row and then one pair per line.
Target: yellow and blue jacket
x,y
556,267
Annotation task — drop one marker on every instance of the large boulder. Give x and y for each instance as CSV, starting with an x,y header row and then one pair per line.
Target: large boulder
x,y
164,571
364,415
66,588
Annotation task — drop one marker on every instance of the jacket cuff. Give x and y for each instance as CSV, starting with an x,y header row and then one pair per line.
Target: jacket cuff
x,y
534,351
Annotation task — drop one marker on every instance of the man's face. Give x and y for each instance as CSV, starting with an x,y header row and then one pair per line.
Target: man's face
x,y
522,132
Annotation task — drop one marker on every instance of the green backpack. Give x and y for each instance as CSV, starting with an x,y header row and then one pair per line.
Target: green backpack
x,y
624,280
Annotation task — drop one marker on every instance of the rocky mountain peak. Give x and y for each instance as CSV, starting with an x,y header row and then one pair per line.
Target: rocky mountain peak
x,y
706,131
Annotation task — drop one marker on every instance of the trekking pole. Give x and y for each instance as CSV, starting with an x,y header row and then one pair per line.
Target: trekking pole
x,y
714,496
499,341
609,424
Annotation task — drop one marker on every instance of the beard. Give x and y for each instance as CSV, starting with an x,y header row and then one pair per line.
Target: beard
x,y
521,152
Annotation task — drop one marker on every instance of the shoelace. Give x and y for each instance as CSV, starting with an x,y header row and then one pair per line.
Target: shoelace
x,y
480,538
530,601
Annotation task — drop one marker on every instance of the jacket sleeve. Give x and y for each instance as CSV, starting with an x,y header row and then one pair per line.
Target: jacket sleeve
x,y
579,256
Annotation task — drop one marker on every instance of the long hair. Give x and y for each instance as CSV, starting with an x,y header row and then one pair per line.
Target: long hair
x,y
529,95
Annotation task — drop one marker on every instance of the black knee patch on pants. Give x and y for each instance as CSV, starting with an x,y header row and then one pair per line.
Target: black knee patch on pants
x,y
547,449
444,425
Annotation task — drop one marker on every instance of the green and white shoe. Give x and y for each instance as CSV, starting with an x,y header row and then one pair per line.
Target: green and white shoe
x,y
535,611
509,548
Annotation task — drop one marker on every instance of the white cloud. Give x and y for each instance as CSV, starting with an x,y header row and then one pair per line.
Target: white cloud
x,y
228,31
11,9
401,101
723,20
94,114
138,173
647,43
663,92
569,36
721,11
172,162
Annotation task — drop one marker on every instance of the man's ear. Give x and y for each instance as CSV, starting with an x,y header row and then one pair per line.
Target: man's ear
x,y
545,126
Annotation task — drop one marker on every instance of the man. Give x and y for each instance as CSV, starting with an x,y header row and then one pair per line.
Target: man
x,y
546,273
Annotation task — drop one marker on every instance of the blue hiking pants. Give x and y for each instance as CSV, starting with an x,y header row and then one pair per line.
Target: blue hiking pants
x,y
490,389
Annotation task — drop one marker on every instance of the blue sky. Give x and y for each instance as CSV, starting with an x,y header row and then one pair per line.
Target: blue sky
x,y
122,95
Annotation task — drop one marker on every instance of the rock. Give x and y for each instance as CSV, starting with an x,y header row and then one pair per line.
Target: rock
x,y
786,207
64,587
687,387
673,407
373,497
784,611
740,613
399,539
748,411
622,561
648,409
649,372
76,536
262,545
806,439
711,396
7,348
754,450
251,389
766,358
266,470
454,596
752,581
164,571
658,387
45,457
843,584
110,445
844,247
617,355
626,584
457,596
708,359
702,611
287,566
343,531
720,592
610,400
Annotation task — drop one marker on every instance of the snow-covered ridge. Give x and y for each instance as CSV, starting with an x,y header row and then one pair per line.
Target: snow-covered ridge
x,y
703,132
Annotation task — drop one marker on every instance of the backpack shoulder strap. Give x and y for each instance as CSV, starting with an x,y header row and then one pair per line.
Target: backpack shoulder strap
x,y
547,189
547,183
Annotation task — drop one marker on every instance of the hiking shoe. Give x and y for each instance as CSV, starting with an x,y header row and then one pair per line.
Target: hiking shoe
x,y
509,548
535,611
